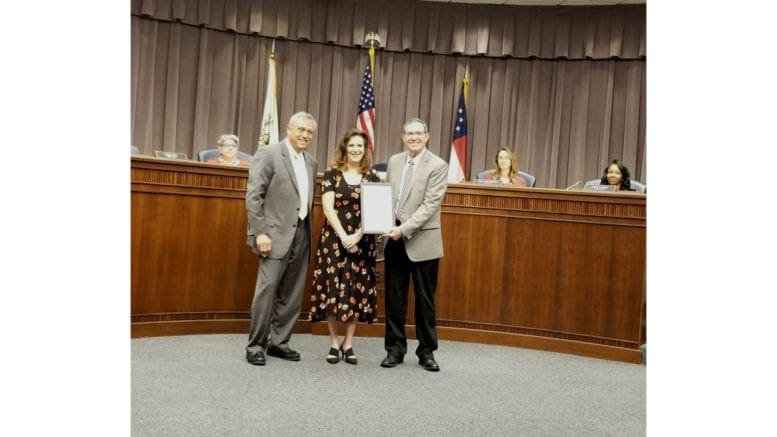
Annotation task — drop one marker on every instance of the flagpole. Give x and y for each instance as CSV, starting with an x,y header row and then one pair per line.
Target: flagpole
x,y
465,83
372,65
366,118
268,133
275,81
372,40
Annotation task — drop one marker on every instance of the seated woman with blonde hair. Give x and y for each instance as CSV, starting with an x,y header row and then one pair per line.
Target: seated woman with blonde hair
x,y
229,144
506,169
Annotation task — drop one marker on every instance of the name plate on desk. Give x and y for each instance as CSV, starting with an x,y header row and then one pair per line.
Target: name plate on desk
x,y
488,181
377,203
599,188
169,155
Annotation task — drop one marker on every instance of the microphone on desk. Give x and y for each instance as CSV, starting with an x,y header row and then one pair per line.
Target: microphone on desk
x,y
575,185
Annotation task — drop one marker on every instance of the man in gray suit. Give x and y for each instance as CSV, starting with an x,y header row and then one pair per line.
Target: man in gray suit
x,y
414,246
279,201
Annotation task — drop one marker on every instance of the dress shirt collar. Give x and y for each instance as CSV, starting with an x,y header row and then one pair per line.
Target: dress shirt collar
x,y
293,153
417,158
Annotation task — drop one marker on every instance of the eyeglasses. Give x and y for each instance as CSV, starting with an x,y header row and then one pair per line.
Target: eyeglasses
x,y
415,134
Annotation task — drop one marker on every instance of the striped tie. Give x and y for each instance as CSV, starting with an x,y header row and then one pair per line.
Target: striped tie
x,y
405,184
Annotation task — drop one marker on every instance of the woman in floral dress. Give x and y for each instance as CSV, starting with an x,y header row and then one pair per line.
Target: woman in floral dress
x,y
344,277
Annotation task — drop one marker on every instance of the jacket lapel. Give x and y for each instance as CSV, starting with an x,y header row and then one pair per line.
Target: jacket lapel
x,y
286,158
311,176
419,167
397,182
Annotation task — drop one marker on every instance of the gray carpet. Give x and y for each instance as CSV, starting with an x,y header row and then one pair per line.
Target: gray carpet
x,y
202,386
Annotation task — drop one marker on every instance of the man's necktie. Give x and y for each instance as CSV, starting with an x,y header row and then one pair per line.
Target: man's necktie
x,y
405,183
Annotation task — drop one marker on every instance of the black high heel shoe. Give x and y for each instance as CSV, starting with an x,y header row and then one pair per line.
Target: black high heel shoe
x,y
333,356
348,356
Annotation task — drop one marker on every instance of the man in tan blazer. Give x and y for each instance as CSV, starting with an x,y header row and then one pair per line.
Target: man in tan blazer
x,y
279,203
414,246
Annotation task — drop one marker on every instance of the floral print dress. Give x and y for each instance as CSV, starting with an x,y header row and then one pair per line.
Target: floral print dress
x,y
343,282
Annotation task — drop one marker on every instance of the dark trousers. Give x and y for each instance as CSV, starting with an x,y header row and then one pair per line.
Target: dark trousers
x,y
399,271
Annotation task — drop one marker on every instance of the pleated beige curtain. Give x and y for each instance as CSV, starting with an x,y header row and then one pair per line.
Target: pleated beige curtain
x,y
565,117
595,32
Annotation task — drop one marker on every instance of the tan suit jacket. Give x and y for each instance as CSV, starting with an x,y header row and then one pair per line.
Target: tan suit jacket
x,y
419,207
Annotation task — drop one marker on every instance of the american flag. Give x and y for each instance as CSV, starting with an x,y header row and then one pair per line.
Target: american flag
x,y
457,165
365,121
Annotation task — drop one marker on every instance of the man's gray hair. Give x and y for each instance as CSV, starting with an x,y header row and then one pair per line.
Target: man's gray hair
x,y
301,117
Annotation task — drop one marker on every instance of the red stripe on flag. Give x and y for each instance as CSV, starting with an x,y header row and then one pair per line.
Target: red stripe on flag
x,y
365,118
460,145
366,123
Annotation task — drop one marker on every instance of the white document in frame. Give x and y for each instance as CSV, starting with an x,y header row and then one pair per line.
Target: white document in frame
x,y
377,207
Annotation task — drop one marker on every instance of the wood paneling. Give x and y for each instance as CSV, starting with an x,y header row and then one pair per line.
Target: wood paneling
x,y
540,268
189,257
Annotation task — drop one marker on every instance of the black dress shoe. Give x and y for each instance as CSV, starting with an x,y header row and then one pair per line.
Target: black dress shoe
x,y
255,358
429,364
391,361
286,354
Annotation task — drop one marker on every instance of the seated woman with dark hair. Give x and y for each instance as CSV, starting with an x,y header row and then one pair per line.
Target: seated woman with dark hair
x,y
617,174
506,168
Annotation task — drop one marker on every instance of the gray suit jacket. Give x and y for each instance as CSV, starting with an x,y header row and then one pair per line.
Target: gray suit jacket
x,y
272,197
420,206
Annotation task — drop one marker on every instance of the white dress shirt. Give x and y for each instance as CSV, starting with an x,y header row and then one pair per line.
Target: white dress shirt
x,y
301,173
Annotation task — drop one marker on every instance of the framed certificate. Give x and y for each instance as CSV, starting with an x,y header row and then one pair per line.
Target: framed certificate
x,y
377,207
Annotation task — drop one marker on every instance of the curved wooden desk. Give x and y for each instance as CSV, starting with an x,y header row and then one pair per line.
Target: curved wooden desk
x,y
538,268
